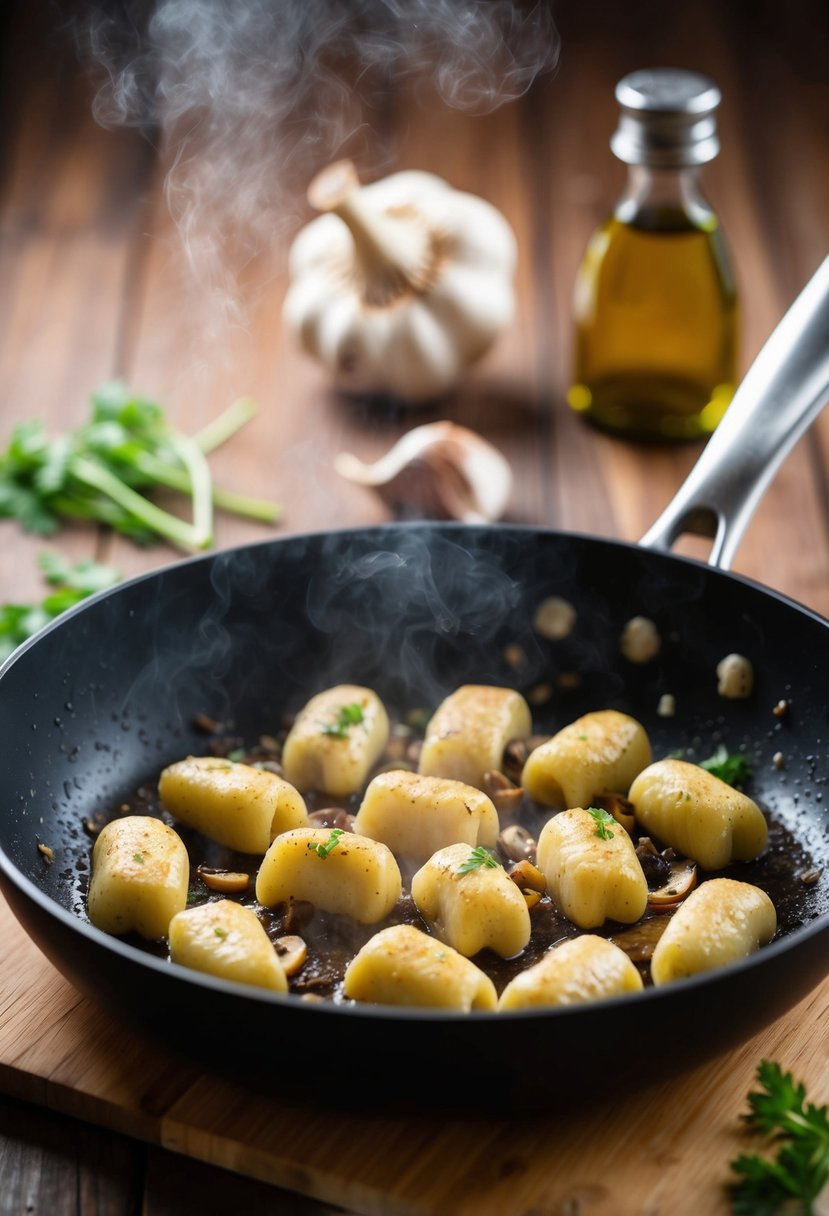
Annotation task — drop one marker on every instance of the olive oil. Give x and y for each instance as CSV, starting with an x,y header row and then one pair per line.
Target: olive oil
x,y
655,308
655,317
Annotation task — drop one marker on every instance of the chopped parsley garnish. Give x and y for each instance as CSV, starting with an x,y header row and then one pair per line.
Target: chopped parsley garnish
x,y
478,857
349,715
220,932
731,767
138,858
604,822
322,850
236,755
792,1179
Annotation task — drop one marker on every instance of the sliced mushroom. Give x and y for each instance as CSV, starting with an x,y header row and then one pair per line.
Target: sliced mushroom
x,y
292,952
516,844
528,877
229,882
333,817
681,882
506,795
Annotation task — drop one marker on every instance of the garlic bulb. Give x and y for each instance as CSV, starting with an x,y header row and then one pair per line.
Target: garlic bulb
x,y
441,469
402,285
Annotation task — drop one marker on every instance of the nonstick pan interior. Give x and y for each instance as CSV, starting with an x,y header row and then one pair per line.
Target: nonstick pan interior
x,y
102,700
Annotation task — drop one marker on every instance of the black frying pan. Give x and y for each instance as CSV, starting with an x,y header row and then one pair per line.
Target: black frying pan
x,y
104,698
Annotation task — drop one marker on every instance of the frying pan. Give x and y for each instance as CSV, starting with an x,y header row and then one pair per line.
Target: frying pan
x,y
103,698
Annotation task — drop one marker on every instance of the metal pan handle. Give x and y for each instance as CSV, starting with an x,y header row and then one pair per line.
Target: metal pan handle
x,y
782,393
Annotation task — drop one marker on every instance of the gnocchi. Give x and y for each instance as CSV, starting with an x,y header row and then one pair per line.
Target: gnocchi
x,y
415,816
698,814
582,970
601,751
235,804
140,874
720,922
225,939
470,902
337,871
402,965
335,740
426,890
591,868
467,734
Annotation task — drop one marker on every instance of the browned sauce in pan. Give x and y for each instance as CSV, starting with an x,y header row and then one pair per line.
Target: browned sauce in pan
x,y
784,871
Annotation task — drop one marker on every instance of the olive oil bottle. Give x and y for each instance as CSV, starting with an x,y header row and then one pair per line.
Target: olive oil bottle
x,y
655,303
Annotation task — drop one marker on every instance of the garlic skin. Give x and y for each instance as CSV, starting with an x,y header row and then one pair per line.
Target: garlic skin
x,y
402,285
441,468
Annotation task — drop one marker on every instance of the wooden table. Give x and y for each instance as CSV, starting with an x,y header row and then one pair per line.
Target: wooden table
x,y
94,284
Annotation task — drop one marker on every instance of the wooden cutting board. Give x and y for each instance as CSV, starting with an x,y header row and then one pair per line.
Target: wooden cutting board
x,y
665,1150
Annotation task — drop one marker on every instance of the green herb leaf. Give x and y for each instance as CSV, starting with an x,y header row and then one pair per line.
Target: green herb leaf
x,y
731,767
349,715
478,857
71,584
138,858
322,850
220,932
800,1170
104,469
604,822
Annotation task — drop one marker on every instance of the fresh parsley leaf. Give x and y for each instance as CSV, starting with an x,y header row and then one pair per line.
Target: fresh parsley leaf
x,y
322,850
70,585
220,932
731,767
604,822
106,469
478,857
349,715
138,858
800,1170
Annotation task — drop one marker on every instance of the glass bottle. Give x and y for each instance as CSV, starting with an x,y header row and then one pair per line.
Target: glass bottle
x,y
655,303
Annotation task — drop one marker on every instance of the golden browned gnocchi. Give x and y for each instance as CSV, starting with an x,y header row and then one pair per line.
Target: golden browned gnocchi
x,y
401,965
235,804
469,901
226,939
415,816
722,921
335,740
579,971
333,870
698,814
591,868
140,874
599,752
467,734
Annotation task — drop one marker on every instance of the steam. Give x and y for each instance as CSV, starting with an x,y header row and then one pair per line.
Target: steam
x,y
247,98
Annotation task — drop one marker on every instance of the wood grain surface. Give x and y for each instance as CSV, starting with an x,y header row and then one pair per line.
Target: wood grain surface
x,y
95,282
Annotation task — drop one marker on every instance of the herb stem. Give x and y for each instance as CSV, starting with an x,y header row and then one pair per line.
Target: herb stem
x,y
201,482
228,423
176,530
174,478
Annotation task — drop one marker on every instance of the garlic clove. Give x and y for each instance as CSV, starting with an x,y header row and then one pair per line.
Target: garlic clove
x,y
440,467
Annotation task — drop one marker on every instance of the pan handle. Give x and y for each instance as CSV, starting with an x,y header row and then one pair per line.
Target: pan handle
x,y
782,393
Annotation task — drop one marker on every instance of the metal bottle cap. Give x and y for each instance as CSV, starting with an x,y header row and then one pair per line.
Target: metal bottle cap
x,y
668,118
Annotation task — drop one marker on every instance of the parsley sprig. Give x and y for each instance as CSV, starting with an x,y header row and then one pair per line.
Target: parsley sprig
x,y
70,584
104,470
604,822
731,767
800,1169
479,856
322,850
349,715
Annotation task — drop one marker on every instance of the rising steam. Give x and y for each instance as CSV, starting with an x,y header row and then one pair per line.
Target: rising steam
x,y
247,98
